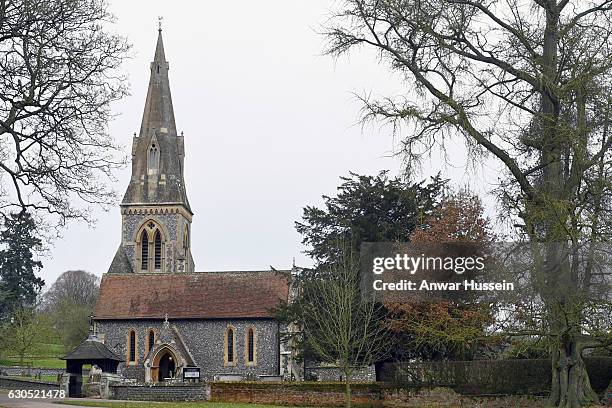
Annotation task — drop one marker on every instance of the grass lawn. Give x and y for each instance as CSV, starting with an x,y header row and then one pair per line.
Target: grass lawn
x,y
44,355
37,362
120,404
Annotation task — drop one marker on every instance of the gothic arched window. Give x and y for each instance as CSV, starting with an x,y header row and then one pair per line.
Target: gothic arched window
x,y
144,251
151,339
158,250
230,346
131,346
251,346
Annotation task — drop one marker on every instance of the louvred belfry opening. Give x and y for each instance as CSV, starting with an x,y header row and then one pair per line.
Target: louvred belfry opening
x,y
144,256
158,250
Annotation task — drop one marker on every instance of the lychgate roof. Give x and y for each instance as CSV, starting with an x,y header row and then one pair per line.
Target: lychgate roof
x,y
92,349
203,295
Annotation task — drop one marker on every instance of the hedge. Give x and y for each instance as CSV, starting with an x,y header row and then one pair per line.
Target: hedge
x,y
490,377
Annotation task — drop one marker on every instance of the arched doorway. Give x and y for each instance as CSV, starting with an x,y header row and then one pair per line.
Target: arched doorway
x,y
164,365
167,366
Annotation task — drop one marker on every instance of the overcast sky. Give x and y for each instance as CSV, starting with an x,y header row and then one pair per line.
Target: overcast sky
x,y
270,125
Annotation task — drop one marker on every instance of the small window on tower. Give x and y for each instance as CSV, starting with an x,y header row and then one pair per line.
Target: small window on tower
x,y
144,251
186,240
153,158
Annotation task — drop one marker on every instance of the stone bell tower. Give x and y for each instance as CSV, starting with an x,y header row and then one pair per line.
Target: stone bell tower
x,y
156,216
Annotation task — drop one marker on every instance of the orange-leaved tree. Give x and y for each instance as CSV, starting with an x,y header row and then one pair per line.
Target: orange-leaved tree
x,y
435,328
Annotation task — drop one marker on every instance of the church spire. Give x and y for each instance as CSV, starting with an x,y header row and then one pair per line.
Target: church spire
x,y
158,113
159,48
156,216
158,150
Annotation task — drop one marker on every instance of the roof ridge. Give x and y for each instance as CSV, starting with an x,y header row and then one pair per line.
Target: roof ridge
x,y
196,273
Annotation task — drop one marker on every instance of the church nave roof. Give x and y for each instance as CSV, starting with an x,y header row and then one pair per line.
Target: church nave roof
x,y
203,295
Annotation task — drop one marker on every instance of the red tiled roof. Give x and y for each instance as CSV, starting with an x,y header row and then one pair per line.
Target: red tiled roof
x,y
203,295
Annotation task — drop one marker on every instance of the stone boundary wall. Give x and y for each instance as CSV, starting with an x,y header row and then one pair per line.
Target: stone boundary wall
x,y
328,374
18,370
309,394
159,392
319,394
18,384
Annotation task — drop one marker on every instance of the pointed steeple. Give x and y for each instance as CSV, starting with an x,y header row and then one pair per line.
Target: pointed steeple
x,y
155,213
158,113
159,48
157,151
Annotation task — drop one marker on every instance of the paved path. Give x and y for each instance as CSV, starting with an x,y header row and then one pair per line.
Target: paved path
x,y
6,402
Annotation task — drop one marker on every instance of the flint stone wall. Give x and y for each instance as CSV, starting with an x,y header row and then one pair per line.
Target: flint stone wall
x,y
18,370
317,394
18,384
131,223
174,392
365,374
205,339
374,395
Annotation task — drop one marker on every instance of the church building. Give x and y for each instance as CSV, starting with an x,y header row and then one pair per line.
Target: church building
x,y
154,310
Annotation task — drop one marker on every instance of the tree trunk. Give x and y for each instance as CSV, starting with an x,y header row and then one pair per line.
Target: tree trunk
x,y
347,391
571,387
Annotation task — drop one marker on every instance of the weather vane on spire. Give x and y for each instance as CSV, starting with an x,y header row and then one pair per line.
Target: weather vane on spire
x,y
159,22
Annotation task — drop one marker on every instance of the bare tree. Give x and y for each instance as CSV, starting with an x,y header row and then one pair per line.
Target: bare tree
x,y
526,83
70,302
343,328
58,74
79,287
